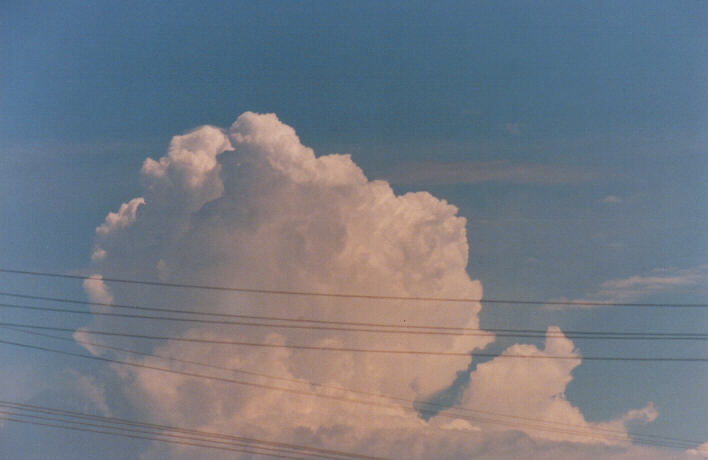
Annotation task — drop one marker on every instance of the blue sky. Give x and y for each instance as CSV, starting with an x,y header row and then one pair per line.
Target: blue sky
x,y
572,137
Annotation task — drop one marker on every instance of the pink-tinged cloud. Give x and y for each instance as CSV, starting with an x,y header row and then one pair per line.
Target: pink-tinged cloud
x,y
96,290
125,216
251,206
700,451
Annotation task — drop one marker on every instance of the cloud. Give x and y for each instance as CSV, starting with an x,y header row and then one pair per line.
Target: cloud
x,y
251,206
98,254
92,391
534,389
28,384
190,160
638,287
96,290
86,340
612,199
115,221
20,382
278,216
664,280
700,451
118,220
433,173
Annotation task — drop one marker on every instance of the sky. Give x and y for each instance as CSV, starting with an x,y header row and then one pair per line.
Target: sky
x,y
548,151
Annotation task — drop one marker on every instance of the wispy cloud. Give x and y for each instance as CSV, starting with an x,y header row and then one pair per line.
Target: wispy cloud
x,y
612,199
637,287
469,172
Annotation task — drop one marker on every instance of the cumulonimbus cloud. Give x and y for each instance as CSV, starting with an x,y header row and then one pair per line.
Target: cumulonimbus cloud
x,y
251,206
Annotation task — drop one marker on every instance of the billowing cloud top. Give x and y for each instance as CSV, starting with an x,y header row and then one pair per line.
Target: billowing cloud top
x,y
251,206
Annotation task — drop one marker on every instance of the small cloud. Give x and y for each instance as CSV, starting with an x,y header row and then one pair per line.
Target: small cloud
x,y
460,425
163,270
645,415
125,216
84,339
612,199
514,129
430,173
98,255
96,290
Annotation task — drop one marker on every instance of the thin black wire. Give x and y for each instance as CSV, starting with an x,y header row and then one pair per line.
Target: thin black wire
x,y
206,435
153,437
119,429
350,296
155,432
492,332
429,405
356,350
219,444
436,329
332,397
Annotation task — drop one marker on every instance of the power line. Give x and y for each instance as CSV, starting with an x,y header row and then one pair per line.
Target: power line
x,y
377,325
114,423
357,350
428,404
673,443
127,434
351,296
225,445
219,439
207,435
385,328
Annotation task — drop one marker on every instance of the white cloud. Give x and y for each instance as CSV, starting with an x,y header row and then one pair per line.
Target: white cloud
x,y
251,206
431,173
637,287
658,281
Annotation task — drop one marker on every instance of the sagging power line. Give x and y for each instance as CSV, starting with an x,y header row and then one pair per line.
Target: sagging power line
x,y
357,350
352,295
419,404
347,326
132,426
665,443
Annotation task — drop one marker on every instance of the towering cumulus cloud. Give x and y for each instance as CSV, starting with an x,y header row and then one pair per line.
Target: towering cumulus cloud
x,y
251,206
